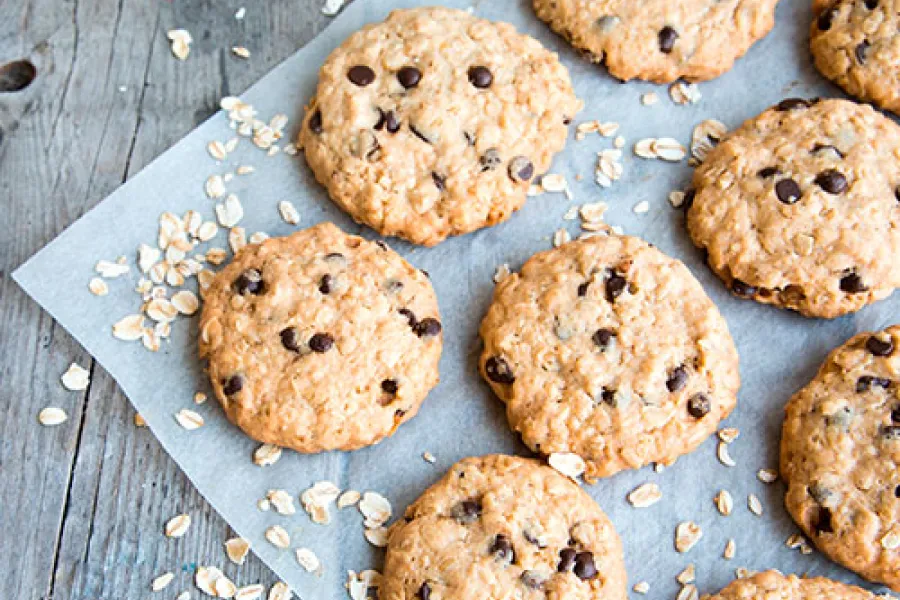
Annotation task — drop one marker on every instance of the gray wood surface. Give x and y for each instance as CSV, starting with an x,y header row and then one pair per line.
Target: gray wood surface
x,y
82,505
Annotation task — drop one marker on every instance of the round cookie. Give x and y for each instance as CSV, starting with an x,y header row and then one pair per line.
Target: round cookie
x,y
661,40
840,451
856,44
434,122
799,208
320,340
503,528
609,349
772,585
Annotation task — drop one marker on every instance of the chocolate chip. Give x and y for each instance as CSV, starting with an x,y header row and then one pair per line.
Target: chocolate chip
x,y
768,172
609,396
826,19
502,549
677,379
381,245
787,191
602,337
743,289
389,386
410,317
867,382
532,539
290,339
334,257
424,592
490,160
232,385
897,492
439,182
566,560
393,285
409,77
832,181
861,50
480,77
326,284
533,579
521,169
583,289
388,120
361,75
880,347
315,122
667,37
428,327
689,196
823,147
419,134
792,104
699,406
584,565
249,282
321,342
615,285
871,4
890,433
17,75
822,521
852,284
467,511
897,193
499,371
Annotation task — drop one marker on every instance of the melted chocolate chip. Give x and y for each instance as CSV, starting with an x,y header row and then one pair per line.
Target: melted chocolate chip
x,y
249,282
480,77
439,182
232,385
792,104
602,337
533,579
615,285
584,566
895,414
743,289
667,37
890,433
315,122
826,19
290,339
871,4
321,342
410,317
502,549
768,172
388,121
583,289
609,397
499,371
677,379
897,492
389,386
428,327
490,160
532,539
566,560
326,284
822,521
832,181
699,406
880,347
467,511
419,134
409,77
823,147
424,592
520,169
361,75
689,196
852,284
788,191
861,50
867,382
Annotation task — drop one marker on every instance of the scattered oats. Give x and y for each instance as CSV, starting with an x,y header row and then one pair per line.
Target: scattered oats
x,y
316,500
729,434
428,457
571,214
280,591
76,378
263,505
161,310
684,93
724,455
377,536
245,170
767,475
649,99
183,596
608,168
348,498
641,587
110,270
237,238
150,339
230,212
215,186
645,495
568,463
619,230
743,573
185,302
161,582
98,287
332,7
796,541
237,549
730,549
669,149
250,592
592,213
177,526
205,278
181,42
216,256
688,592
556,183
582,129
205,579
308,560
676,198
224,587
217,150
688,575
282,501
129,328
52,416
687,534
199,398
724,502
706,135
891,540
258,237
239,15
139,421
375,508
288,212
561,237
278,536
619,142
644,148
501,272
534,190
641,207
240,52
290,149
266,455
189,419
358,585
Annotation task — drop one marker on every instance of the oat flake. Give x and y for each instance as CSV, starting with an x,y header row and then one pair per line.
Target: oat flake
x,y
730,549
288,212
377,536
375,508
724,502
250,592
98,287
189,419
645,495
282,501
278,536
641,587
161,582
51,416
177,526
266,455
568,463
687,534
185,302
724,455
280,591
76,378
348,498
308,560
236,549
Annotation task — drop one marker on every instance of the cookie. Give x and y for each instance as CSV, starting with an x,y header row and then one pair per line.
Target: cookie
x,y
609,349
434,122
772,585
855,43
502,528
320,340
661,40
839,453
800,207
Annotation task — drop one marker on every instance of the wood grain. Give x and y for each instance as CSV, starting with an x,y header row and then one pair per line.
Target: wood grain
x,y
82,505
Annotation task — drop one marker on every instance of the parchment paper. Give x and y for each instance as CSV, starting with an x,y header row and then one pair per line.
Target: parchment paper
x,y
779,351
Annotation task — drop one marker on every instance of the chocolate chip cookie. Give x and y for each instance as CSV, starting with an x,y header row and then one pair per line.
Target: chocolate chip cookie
x,y
434,122
856,44
800,207
772,585
609,349
320,340
839,454
661,40
503,527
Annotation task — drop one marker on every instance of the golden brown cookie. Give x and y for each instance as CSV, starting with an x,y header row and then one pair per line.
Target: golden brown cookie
x,y
609,349
320,340
434,122
772,585
503,528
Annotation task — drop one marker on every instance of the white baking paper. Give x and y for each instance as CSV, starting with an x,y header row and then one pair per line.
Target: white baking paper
x,y
779,351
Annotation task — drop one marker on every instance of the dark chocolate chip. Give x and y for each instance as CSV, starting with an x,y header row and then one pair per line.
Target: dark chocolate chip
x,y
290,339
768,172
326,284
410,317
699,406
232,385
584,565
388,121
667,38
334,257
822,521
897,492
566,560
871,4
861,50
880,347
852,283
609,396
867,382
409,77
890,433
321,342
602,337
832,181
467,511
428,327
897,193
792,104
499,371
381,245
439,182
419,134
743,289
689,196
895,414
826,19
677,379
521,169
583,289
249,282
480,77
502,549
532,539
615,285
361,75
788,191
389,386
490,160
315,122
533,579
17,75
424,592
823,147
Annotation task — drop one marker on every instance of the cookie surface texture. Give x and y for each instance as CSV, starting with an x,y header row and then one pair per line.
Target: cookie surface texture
x,y
839,453
798,207
661,40
434,122
502,528
320,340
772,585
609,349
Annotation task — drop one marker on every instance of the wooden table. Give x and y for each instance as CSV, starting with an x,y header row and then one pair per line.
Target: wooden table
x,y
82,505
